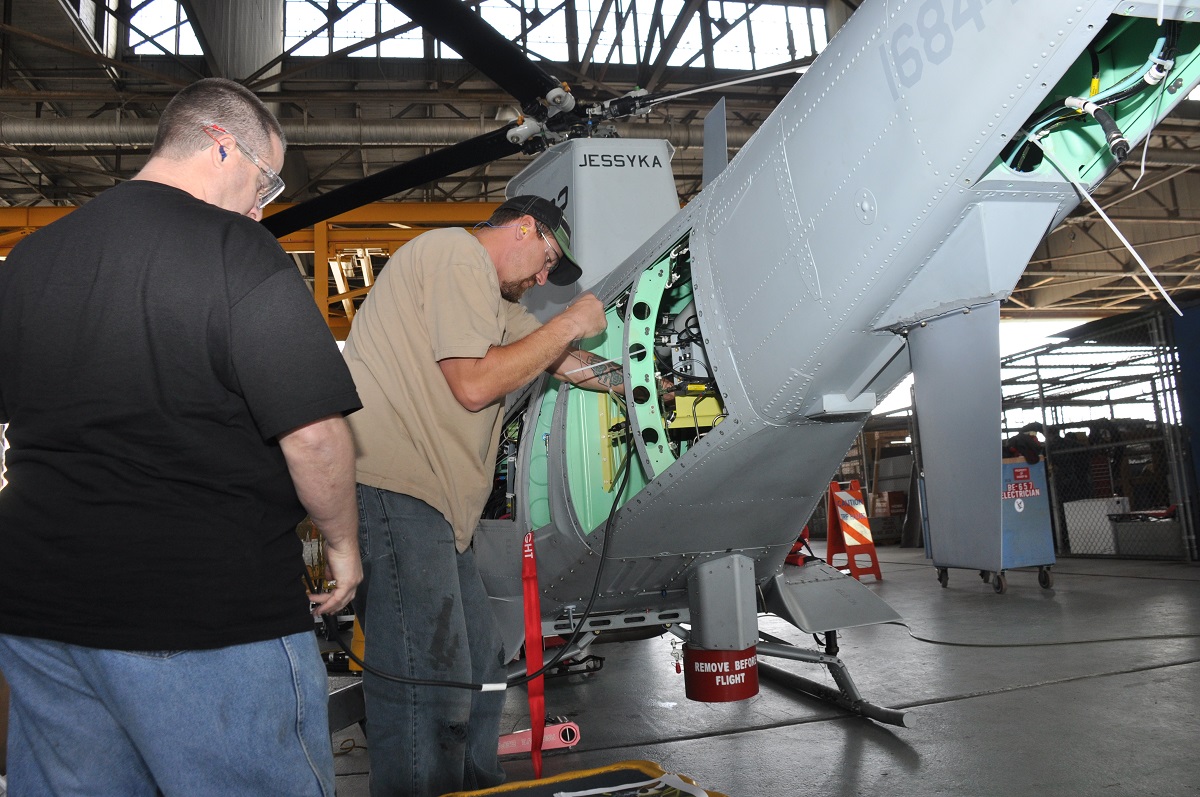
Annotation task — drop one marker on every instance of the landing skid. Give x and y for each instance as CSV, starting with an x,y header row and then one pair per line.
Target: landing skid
x,y
846,696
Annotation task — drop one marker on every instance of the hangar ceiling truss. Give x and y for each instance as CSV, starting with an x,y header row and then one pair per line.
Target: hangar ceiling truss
x,y
361,88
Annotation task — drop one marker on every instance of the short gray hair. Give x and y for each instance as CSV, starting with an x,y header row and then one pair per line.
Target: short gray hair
x,y
214,101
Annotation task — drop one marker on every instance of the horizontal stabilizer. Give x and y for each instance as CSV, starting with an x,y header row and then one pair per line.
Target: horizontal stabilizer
x,y
817,598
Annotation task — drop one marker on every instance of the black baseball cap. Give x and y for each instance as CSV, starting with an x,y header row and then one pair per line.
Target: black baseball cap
x,y
567,271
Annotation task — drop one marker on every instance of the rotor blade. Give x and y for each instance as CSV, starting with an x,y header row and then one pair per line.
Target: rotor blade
x,y
440,163
452,22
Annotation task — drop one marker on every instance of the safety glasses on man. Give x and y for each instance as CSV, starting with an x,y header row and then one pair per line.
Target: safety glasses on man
x,y
270,185
552,257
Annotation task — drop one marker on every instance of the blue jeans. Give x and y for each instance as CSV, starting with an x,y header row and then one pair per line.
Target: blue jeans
x,y
243,720
425,614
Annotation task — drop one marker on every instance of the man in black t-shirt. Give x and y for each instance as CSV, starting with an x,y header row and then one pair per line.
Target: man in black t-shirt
x,y
175,407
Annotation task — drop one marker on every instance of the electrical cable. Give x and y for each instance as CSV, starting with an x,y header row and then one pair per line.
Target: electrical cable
x,y
1139,638
665,367
1167,63
1117,143
693,377
1157,66
1149,75
332,632
1139,78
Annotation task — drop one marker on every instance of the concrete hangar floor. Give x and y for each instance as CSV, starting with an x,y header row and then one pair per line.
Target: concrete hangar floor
x,y
1011,694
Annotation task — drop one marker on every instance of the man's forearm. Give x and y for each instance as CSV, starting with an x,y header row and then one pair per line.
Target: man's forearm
x,y
478,382
320,459
584,369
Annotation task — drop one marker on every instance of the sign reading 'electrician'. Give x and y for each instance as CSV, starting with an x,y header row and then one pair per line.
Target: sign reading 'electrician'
x,y
1022,486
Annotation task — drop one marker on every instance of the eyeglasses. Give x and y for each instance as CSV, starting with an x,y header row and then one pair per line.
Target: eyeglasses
x,y
551,258
271,185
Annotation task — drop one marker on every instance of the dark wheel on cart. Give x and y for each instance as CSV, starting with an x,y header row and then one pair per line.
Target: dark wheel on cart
x,y
943,576
1000,583
986,575
1045,577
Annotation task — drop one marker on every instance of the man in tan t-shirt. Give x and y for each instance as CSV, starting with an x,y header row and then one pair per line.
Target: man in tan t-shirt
x,y
435,348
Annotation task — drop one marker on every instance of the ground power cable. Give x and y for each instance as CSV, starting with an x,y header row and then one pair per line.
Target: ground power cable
x,y
1066,574
949,643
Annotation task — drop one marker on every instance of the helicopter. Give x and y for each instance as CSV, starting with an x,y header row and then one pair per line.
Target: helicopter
x,y
869,229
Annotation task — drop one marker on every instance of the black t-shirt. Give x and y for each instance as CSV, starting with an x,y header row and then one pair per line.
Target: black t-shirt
x,y
152,346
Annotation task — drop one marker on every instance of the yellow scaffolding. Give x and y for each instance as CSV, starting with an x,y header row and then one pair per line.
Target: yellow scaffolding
x,y
350,244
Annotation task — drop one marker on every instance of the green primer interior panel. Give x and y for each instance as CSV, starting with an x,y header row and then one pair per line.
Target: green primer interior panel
x,y
597,430
644,314
591,443
590,417
1080,147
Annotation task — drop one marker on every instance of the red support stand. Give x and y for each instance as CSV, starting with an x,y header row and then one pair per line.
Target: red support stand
x,y
796,555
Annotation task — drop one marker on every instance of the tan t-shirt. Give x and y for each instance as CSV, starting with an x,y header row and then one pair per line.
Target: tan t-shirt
x,y
438,297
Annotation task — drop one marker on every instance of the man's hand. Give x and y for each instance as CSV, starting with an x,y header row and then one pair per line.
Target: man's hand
x,y
344,570
587,314
320,459
666,390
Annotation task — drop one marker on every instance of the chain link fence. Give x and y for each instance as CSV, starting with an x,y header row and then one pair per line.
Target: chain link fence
x,y
1102,407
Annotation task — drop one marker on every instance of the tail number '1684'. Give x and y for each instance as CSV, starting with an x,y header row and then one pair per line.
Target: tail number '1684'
x,y
932,40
